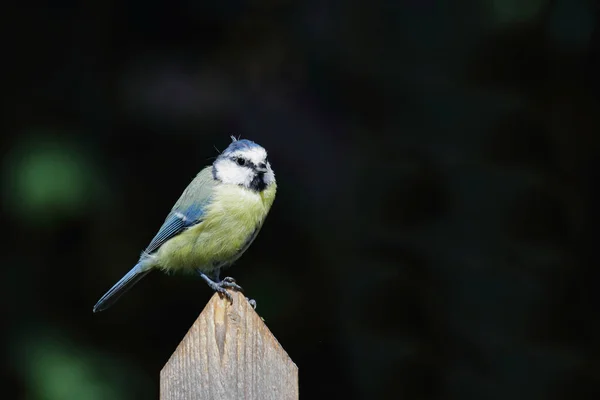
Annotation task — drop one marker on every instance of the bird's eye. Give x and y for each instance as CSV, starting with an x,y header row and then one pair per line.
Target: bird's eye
x,y
240,161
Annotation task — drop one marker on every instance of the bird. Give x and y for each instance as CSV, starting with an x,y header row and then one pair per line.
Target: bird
x,y
215,220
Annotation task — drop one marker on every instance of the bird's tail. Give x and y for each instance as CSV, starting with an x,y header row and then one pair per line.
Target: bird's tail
x,y
131,278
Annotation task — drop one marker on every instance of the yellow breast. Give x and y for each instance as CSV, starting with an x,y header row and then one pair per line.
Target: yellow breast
x,y
230,220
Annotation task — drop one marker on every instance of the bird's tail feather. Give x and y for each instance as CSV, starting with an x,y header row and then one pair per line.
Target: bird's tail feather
x,y
131,278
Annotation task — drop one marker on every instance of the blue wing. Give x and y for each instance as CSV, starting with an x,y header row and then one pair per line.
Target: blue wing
x,y
187,212
176,222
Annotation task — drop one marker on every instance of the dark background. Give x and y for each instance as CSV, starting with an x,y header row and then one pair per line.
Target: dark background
x,y
435,228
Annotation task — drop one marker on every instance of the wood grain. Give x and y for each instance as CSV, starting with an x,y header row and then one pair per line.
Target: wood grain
x,y
229,353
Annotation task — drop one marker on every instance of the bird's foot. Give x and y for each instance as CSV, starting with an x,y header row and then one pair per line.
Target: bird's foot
x,y
229,283
222,286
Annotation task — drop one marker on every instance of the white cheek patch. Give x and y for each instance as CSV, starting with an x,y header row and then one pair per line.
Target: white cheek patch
x,y
229,172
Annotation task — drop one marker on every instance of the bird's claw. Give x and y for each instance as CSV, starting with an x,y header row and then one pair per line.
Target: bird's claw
x,y
222,291
252,302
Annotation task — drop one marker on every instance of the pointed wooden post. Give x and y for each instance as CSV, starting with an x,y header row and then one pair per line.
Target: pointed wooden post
x,y
229,353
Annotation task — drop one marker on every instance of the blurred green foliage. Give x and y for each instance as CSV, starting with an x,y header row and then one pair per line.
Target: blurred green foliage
x,y
46,178
55,367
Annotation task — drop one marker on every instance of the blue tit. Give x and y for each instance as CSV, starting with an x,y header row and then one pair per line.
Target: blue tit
x,y
213,223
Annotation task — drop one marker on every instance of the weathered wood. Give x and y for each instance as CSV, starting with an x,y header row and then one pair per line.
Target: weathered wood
x,y
229,353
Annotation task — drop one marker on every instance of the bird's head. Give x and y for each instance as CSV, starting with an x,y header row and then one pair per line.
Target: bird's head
x,y
244,163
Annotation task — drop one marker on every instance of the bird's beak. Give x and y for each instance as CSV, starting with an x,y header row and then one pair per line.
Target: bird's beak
x,y
261,168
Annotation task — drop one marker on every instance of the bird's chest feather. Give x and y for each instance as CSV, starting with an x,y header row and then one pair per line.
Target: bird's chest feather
x,y
228,225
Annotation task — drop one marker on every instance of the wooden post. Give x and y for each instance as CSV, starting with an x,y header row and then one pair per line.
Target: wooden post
x,y
229,353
